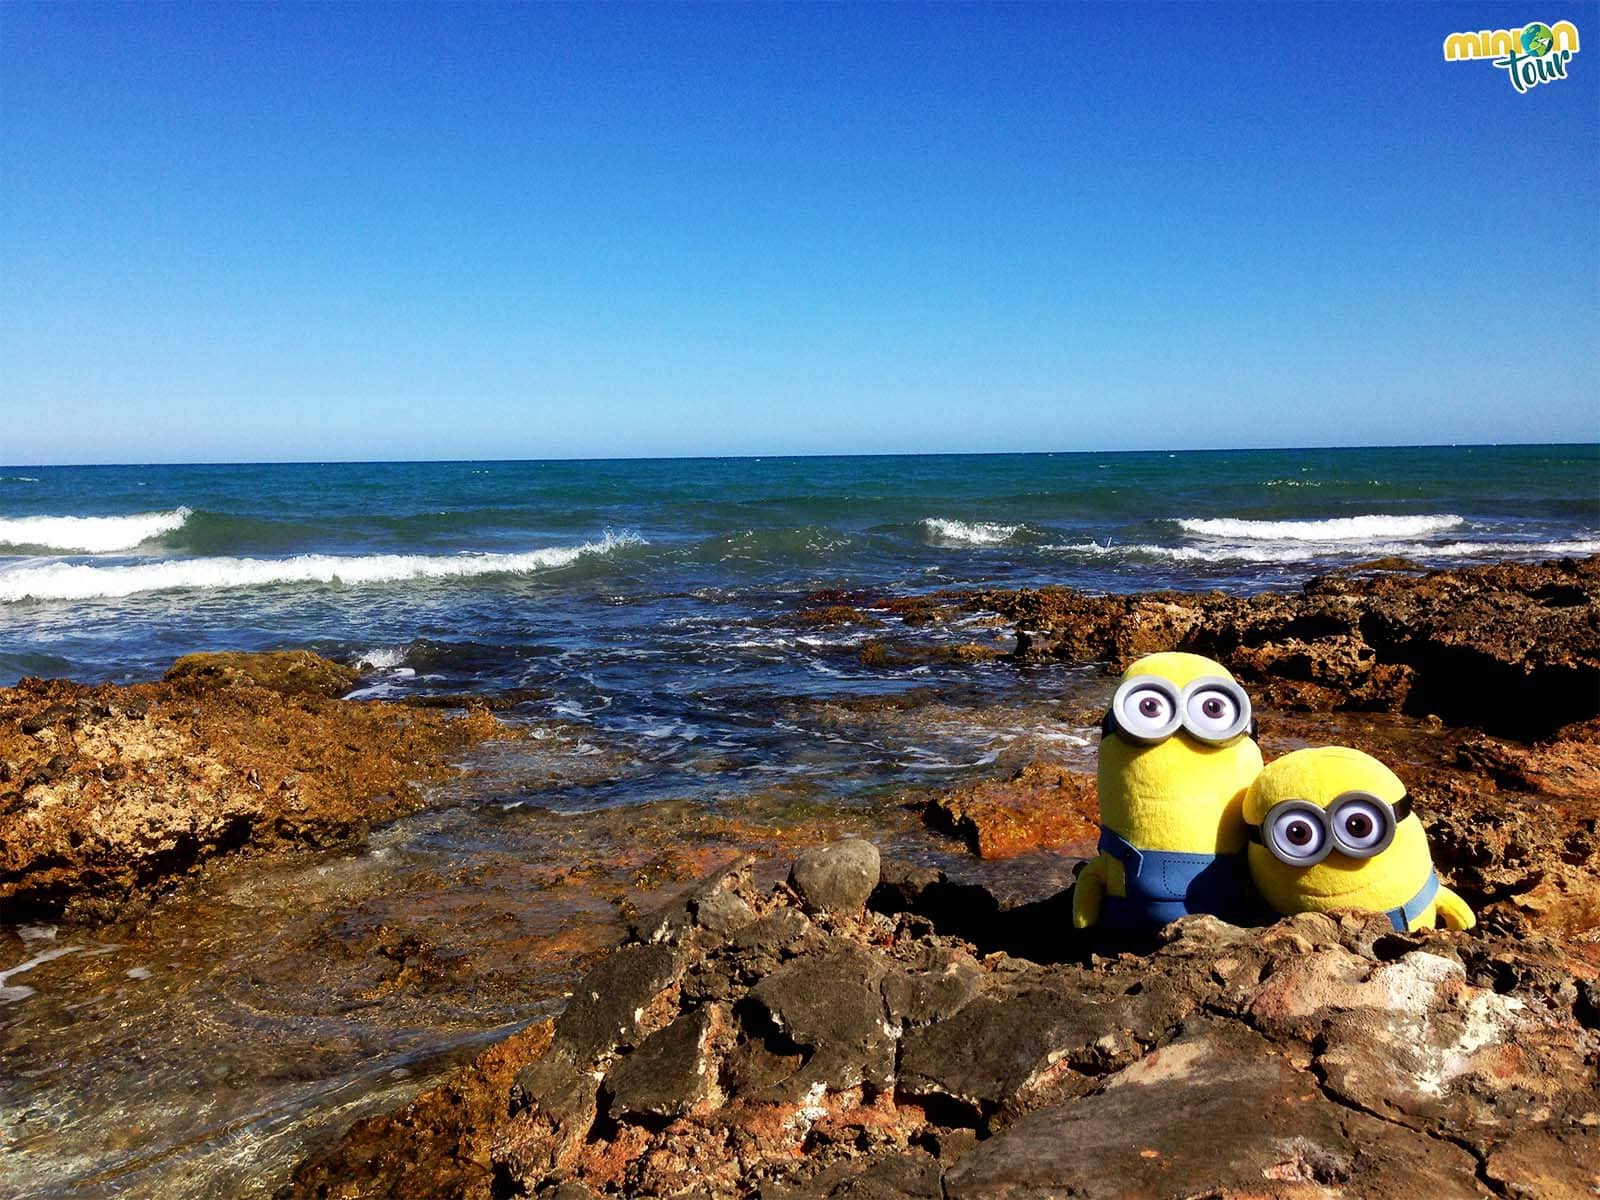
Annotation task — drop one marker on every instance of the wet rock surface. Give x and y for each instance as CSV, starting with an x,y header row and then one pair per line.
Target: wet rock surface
x,y
878,1053
109,793
1045,805
1511,648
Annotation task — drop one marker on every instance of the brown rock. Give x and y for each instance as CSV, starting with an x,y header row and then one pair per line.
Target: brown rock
x,y
1043,806
436,1147
123,789
1511,648
289,672
1548,1165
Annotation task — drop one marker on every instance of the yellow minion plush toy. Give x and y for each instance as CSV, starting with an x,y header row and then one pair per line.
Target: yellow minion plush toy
x,y
1332,827
1177,752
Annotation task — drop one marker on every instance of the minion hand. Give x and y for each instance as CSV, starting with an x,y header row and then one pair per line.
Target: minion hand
x,y
1089,894
1453,910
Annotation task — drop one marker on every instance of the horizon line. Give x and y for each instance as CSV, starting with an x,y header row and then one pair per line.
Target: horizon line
x,y
581,458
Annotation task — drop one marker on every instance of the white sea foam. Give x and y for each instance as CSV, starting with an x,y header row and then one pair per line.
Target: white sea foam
x,y
944,531
82,581
1292,552
90,535
1335,529
382,658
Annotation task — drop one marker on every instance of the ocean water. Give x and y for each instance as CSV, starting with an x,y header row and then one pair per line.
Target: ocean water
x,y
659,602
679,702
526,573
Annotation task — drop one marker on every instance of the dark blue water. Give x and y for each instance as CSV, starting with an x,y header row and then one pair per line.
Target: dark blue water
x,y
107,572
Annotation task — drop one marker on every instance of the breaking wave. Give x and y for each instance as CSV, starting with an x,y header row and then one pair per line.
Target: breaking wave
x,y
942,531
1312,551
1334,529
83,581
89,535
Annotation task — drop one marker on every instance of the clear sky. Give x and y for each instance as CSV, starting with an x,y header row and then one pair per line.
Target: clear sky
x,y
248,232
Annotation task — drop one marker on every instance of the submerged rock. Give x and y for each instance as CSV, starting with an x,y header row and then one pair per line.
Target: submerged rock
x,y
289,672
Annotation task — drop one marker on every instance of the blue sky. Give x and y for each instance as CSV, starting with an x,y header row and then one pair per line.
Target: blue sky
x,y
246,232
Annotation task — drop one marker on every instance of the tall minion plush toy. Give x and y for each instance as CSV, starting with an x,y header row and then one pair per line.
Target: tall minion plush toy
x,y
1177,752
1332,827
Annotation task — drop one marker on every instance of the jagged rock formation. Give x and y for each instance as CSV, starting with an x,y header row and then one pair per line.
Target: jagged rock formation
x,y
740,1045
109,793
1512,648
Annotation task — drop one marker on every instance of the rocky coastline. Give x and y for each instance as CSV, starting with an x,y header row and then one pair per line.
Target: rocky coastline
x,y
841,1023
869,1027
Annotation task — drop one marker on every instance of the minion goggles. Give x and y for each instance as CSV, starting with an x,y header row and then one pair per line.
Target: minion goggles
x,y
1150,709
1302,834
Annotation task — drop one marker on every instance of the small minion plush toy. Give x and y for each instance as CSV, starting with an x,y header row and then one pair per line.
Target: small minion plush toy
x,y
1177,752
1331,827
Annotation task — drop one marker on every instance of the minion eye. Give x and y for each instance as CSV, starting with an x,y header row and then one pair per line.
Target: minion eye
x,y
1215,710
1296,833
1362,825
1146,710
1211,711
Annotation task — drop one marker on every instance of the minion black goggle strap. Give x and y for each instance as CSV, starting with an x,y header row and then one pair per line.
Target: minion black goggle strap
x,y
1302,834
1150,709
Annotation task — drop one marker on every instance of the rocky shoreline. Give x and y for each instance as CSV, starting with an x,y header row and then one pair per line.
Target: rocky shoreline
x,y
111,794
872,1028
836,1036
1512,648
866,1027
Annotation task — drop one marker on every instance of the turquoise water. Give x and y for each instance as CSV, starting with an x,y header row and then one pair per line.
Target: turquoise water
x,y
108,572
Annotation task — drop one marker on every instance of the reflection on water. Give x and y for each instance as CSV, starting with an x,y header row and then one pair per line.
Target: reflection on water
x,y
202,1050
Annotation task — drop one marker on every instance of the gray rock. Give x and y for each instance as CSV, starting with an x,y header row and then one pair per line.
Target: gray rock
x,y
572,1189
907,1176
774,933
1215,1112
554,1085
722,912
937,986
992,1049
831,1008
837,878
553,1105
710,903
606,1007
902,884
667,1075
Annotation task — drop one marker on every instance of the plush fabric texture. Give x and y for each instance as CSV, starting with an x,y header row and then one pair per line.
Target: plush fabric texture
x,y
1181,796
1388,881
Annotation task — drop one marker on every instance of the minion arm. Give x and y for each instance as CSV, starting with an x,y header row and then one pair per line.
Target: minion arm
x,y
1089,893
1453,910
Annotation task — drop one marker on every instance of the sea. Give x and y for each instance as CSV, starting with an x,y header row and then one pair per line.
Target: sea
x,y
687,642
543,572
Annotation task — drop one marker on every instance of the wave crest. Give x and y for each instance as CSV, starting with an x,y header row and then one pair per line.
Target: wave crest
x,y
1334,529
1305,553
943,531
84,581
90,535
